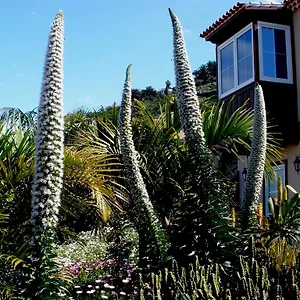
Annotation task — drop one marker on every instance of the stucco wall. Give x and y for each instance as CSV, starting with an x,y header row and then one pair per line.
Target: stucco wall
x,y
293,178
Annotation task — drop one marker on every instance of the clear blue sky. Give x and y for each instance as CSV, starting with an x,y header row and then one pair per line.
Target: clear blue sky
x,y
101,38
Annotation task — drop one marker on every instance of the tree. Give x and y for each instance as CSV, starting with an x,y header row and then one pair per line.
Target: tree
x,y
206,73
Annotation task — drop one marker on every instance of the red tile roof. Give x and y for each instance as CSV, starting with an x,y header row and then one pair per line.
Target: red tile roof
x,y
240,6
292,4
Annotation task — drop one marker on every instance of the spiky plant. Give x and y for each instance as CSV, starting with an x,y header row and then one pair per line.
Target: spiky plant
x,y
152,238
201,213
48,174
257,155
201,159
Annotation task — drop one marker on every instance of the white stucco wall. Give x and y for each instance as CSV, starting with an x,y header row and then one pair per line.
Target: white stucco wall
x,y
293,178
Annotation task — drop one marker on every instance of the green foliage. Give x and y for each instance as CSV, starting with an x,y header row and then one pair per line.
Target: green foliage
x,y
87,247
251,280
205,80
231,133
284,218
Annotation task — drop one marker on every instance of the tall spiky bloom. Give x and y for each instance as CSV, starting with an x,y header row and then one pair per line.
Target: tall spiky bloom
x,y
48,175
201,218
189,110
153,244
190,115
257,155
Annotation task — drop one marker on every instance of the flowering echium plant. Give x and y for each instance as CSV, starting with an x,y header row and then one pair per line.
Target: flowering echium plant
x,y
190,114
257,159
152,238
48,175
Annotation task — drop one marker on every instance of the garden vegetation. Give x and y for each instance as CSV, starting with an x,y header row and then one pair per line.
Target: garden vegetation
x,y
137,203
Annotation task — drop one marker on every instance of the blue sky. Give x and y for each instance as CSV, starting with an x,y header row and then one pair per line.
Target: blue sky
x,y
101,39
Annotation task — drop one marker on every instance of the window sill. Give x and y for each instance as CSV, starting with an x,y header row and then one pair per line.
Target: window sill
x,y
276,80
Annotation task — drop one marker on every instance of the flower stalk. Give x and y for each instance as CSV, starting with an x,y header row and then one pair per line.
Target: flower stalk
x,y
48,175
257,159
201,160
153,242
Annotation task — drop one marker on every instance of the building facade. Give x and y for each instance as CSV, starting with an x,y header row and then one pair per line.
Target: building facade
x,y
259,42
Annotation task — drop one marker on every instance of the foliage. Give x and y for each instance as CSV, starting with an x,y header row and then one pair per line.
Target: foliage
x,y
123,241
252,280
231,133
205,80
15,118
87,247
106,279
284,219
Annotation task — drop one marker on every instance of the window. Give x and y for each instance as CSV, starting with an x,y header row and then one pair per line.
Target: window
x,y
275,52
271,187
235,62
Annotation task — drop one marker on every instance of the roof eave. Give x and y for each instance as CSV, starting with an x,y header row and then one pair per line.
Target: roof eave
x,y
215,31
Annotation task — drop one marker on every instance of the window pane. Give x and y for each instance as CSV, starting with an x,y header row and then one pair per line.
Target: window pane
x,y
268,39
280,46
244,45
269,64
245,69
274,53
226,57
227,80
281,66
268,52
227,68
271,188
244,56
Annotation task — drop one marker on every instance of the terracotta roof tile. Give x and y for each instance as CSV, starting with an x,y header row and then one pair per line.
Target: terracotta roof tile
x,y
292,4
238,8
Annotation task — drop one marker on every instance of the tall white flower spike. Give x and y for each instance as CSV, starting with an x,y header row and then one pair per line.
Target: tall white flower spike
x,y
257,159
48,175
147,222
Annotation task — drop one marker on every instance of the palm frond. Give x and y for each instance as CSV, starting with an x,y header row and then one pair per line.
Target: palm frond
x,y
232,132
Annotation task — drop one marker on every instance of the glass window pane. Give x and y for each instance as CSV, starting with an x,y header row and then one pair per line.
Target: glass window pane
x,y
281,66
280,46
274,53
245,69
227,80
271,188
226,57
244,45
268,42
269,64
